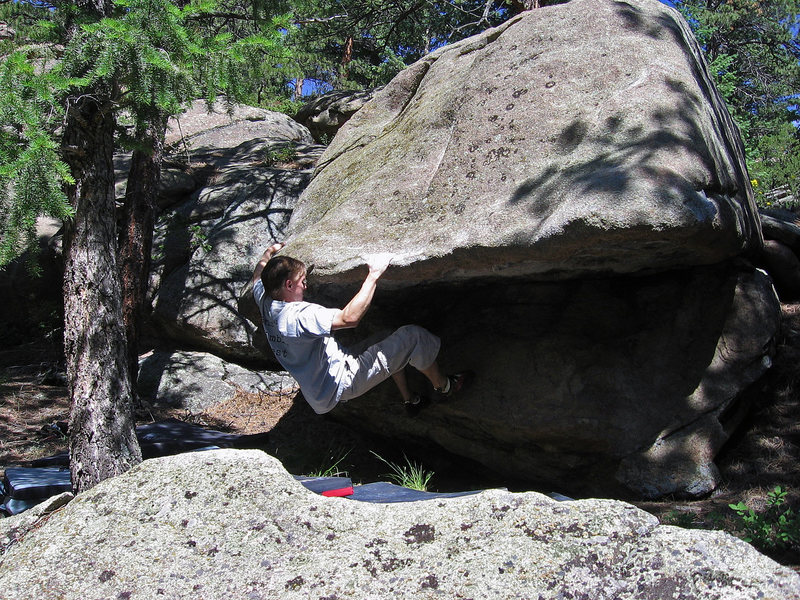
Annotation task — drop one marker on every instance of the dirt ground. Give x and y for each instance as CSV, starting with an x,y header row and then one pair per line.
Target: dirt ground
x,y
763,454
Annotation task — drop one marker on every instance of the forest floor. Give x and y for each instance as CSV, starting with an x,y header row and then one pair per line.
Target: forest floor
x,y
762,455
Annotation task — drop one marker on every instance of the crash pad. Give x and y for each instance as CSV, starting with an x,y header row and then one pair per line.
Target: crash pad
x,y
171,436
327,486
24,487
382,492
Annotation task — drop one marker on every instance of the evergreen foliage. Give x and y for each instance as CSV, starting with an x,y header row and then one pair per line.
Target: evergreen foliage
x,y
753,49
154,56
364,43
32,173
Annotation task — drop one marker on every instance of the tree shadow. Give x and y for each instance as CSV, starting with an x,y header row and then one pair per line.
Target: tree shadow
x,y
212,244
622,161
612,158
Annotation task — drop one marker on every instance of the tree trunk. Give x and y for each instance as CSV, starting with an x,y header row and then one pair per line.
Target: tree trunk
x,y
102,436
347,57
518,6
136,237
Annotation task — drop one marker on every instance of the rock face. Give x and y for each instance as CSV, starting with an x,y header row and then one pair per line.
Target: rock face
x,y
215,225
234,524
569,206
326,115
528,150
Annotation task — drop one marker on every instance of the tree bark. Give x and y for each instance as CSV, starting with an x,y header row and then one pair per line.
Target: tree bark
x,y
136,237
347,57
102,435
518,6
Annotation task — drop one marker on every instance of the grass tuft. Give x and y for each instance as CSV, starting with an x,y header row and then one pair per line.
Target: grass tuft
x,y
334,468
410,475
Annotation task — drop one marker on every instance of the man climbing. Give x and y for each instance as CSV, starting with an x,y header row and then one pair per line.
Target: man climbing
x,y
300,335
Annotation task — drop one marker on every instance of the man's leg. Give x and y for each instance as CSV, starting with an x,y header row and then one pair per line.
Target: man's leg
x,y
408,345
435,376
401,380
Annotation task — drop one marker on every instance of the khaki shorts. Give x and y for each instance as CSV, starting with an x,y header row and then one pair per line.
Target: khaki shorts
x,y
409,345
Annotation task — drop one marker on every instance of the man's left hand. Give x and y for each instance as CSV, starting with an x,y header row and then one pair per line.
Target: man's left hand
x,y
378,263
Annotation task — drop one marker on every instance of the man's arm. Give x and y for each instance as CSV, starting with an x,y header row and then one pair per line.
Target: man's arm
x,y
265,259
351,315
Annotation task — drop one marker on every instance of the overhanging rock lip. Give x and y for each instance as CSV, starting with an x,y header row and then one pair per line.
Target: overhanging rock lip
x,y
466,265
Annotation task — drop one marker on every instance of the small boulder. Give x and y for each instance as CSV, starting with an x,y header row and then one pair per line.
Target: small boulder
x,y
197,381
324,116
782,226
783,266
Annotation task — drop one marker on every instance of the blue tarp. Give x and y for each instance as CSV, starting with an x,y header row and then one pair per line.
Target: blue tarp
x,y
379,493
172,436
24,487
382,492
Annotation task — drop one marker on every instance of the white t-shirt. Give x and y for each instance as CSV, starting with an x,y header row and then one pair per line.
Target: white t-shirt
x,y
299,334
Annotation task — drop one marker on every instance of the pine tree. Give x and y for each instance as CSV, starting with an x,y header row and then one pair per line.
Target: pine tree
x,y
94,60
364,43
31,170
102,438
753,49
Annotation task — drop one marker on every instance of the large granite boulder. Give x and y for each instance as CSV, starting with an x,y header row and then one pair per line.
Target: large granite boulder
x,y
234,524
568,201
581,138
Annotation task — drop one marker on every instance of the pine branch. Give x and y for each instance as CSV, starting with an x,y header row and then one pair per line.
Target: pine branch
x,y
310,20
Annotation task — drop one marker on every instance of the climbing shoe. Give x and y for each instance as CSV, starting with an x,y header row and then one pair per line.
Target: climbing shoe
x,y
416,404
457,382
